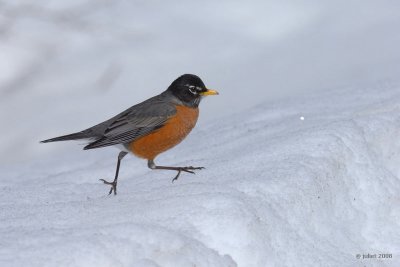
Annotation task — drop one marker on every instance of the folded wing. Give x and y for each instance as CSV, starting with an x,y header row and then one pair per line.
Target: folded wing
x,y
133,123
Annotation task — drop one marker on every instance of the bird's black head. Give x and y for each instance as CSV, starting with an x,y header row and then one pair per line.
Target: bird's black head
x,y
189,89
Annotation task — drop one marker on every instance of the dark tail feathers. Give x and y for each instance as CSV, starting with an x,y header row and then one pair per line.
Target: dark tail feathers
x,y
74,136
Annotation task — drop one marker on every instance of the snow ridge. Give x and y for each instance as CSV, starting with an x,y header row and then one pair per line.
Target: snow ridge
x,y
277,191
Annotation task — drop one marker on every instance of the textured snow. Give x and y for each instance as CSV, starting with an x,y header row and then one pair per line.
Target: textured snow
x,y
276,191
301,148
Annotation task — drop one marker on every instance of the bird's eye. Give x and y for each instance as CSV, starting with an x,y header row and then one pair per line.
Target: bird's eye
x,y
193,89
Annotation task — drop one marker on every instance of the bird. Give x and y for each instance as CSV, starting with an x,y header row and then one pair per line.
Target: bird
x,y
149,128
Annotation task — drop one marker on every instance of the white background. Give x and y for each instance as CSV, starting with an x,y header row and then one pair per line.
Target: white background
x,y
67,65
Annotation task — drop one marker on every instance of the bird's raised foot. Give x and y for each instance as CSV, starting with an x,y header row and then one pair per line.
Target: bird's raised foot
x,y
189,169
112,184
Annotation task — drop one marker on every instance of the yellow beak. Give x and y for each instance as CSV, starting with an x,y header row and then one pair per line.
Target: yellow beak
x,y
209,92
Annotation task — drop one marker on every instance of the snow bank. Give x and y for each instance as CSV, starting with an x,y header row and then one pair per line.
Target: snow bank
x,y
277,191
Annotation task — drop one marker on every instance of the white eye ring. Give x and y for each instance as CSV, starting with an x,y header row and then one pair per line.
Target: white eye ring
x,y
193,90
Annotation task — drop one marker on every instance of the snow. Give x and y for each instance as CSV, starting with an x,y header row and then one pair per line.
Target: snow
x,y
301,147
96,58
276,191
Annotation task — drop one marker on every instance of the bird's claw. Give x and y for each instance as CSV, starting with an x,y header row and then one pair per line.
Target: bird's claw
x,y
112,184
189,169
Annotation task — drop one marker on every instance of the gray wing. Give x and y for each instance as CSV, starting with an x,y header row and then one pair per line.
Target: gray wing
x,y
133,123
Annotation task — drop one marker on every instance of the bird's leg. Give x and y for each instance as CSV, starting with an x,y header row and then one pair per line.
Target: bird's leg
x,y
113,184
189,169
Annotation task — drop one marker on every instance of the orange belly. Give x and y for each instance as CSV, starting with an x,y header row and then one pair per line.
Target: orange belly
x,y
168,136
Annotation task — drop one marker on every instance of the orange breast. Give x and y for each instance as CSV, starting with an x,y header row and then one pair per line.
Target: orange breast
x,y
171,134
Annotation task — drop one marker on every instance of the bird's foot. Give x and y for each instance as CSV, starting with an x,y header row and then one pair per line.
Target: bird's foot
x,y
189,169
113,185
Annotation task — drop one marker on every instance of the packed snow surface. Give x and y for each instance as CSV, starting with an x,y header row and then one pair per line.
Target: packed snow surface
x,y
277,190
311,179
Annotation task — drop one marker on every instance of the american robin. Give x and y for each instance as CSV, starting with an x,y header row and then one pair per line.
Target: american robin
x,y
151,127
